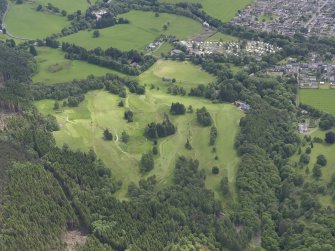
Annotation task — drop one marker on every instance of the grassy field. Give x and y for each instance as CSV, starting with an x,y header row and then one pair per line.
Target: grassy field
x,y
186,74
222,37
321,99
224,10
24,21
69,5
327,171
52,67
85,125
143,29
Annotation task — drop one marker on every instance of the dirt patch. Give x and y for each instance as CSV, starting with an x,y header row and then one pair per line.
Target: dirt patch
x,y
74,239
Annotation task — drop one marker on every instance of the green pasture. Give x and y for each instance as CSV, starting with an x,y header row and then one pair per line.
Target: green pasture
x,y
224,10
82,128
52,67
186,74
222,37
143,29
322,99
24,21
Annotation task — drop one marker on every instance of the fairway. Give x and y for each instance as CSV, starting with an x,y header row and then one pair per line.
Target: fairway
x,y
52,67
186,74
327,171
86,123
24,21
321,99
224,10
143,29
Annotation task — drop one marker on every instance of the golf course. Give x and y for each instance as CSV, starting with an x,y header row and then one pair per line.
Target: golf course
x,y
82,128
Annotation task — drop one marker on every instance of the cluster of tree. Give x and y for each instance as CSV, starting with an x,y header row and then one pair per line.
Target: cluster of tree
x,y
213,135
50,7
111,83
177,109
108,20
147,162
131,62
176,90
204,117
3,7
160,130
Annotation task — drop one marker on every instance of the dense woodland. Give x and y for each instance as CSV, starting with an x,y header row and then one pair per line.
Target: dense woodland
x,y
46,190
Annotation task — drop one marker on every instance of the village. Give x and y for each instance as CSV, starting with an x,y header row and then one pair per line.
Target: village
x,y
312,75
289,17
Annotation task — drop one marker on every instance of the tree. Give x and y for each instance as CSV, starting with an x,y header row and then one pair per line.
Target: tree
x,y
177,109
64,13
188,145
128,115
124,137
224,184
165,27
96,33
107,135
215,170
147,162
32,50
121,103
155,150
308,150
317,171
56,105
39,7
330,137
304,158
321,160
203,117
156,14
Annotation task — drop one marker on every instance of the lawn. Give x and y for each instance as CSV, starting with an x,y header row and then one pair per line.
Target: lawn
x,y
222,37
186,74
24,21
52,67
224,10
143,29
86,123
322,99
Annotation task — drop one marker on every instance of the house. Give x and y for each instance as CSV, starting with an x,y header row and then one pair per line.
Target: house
x,y
242,105
303,128
205,24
